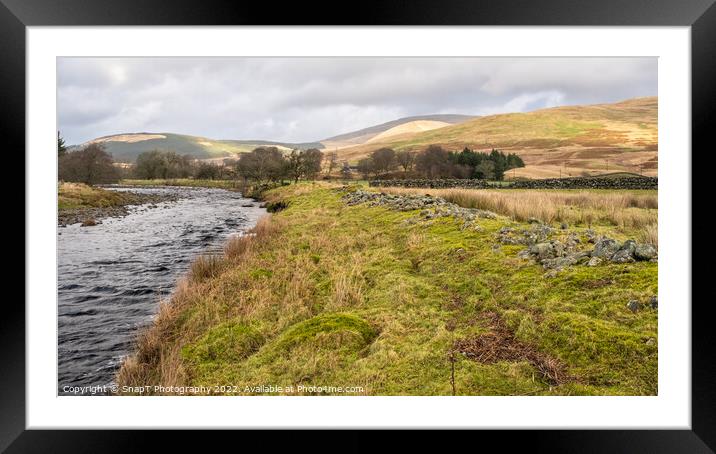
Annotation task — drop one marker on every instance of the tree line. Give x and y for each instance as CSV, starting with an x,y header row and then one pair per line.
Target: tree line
x,y
94,165
435,162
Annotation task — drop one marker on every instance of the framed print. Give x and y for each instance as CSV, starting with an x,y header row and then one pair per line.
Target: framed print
x,y
471,217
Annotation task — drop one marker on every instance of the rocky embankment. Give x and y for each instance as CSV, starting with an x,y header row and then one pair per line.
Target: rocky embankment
x,y
90,216
549,183
430,207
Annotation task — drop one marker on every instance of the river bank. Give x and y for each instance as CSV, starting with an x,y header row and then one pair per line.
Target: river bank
x,y
399,298
112,276
78,203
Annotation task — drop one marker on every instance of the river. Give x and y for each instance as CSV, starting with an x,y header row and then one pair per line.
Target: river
x,y
112,276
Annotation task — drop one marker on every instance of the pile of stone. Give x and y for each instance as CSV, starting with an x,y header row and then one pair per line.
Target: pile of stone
x,y
554,254
430,207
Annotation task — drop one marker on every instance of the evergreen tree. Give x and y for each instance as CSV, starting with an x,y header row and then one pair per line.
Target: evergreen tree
x,y
61,148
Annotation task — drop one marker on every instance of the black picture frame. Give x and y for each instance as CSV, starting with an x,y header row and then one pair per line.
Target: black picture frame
x,y
700,15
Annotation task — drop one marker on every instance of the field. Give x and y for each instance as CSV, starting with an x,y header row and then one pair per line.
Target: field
x,y
388,302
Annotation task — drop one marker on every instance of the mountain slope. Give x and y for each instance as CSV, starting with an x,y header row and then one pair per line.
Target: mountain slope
x,y
575,139
363,135
408,129
126,147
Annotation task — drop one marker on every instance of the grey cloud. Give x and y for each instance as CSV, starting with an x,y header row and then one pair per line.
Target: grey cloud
x,y
306,99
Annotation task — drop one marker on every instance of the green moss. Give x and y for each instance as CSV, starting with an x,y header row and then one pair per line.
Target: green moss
x,y
328,329
228,342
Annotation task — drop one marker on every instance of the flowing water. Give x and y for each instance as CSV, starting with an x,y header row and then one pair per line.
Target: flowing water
x,y
112,276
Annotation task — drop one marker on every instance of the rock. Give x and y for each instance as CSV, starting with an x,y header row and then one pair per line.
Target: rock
x,y
644,252
524,254
633,306
651,341
591,236
572,241
594,261
654,302
622,257
547,250
605,247
551,274
625,254
560,262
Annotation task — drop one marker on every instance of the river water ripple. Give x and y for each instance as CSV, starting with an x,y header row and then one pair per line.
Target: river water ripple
x,y
112,276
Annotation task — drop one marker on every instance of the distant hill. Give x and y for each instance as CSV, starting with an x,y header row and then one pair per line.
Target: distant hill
x,y
126,147
568,140
560,141
364,135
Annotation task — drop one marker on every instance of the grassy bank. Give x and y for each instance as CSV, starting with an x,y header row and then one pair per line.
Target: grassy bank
x,y
223,184
326,294
72,196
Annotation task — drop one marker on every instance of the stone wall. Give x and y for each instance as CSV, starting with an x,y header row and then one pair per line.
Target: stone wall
x,y
435,184
588,183
548,183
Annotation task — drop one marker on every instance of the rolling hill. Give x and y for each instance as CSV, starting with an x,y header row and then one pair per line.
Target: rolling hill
x,y
126,147
560,141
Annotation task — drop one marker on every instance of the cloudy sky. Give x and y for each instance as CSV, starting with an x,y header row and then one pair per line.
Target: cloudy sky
x,y
309,99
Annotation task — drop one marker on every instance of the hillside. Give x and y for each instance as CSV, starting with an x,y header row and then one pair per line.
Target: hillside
x,y
366,134
408,129
126,147
574,139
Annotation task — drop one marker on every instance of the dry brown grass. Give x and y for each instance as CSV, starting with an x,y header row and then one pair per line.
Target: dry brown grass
x,y
152,362
625,209
650,234
238,246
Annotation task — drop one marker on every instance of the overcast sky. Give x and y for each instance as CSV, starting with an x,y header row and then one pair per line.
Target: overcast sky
x,y
309,99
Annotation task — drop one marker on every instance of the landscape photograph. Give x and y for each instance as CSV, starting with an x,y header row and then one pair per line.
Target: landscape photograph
x,y
357,226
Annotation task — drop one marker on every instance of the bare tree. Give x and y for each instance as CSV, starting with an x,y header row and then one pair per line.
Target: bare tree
x,y
332,161
262,164
304,164
90,165
433,162
406,160
383,160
